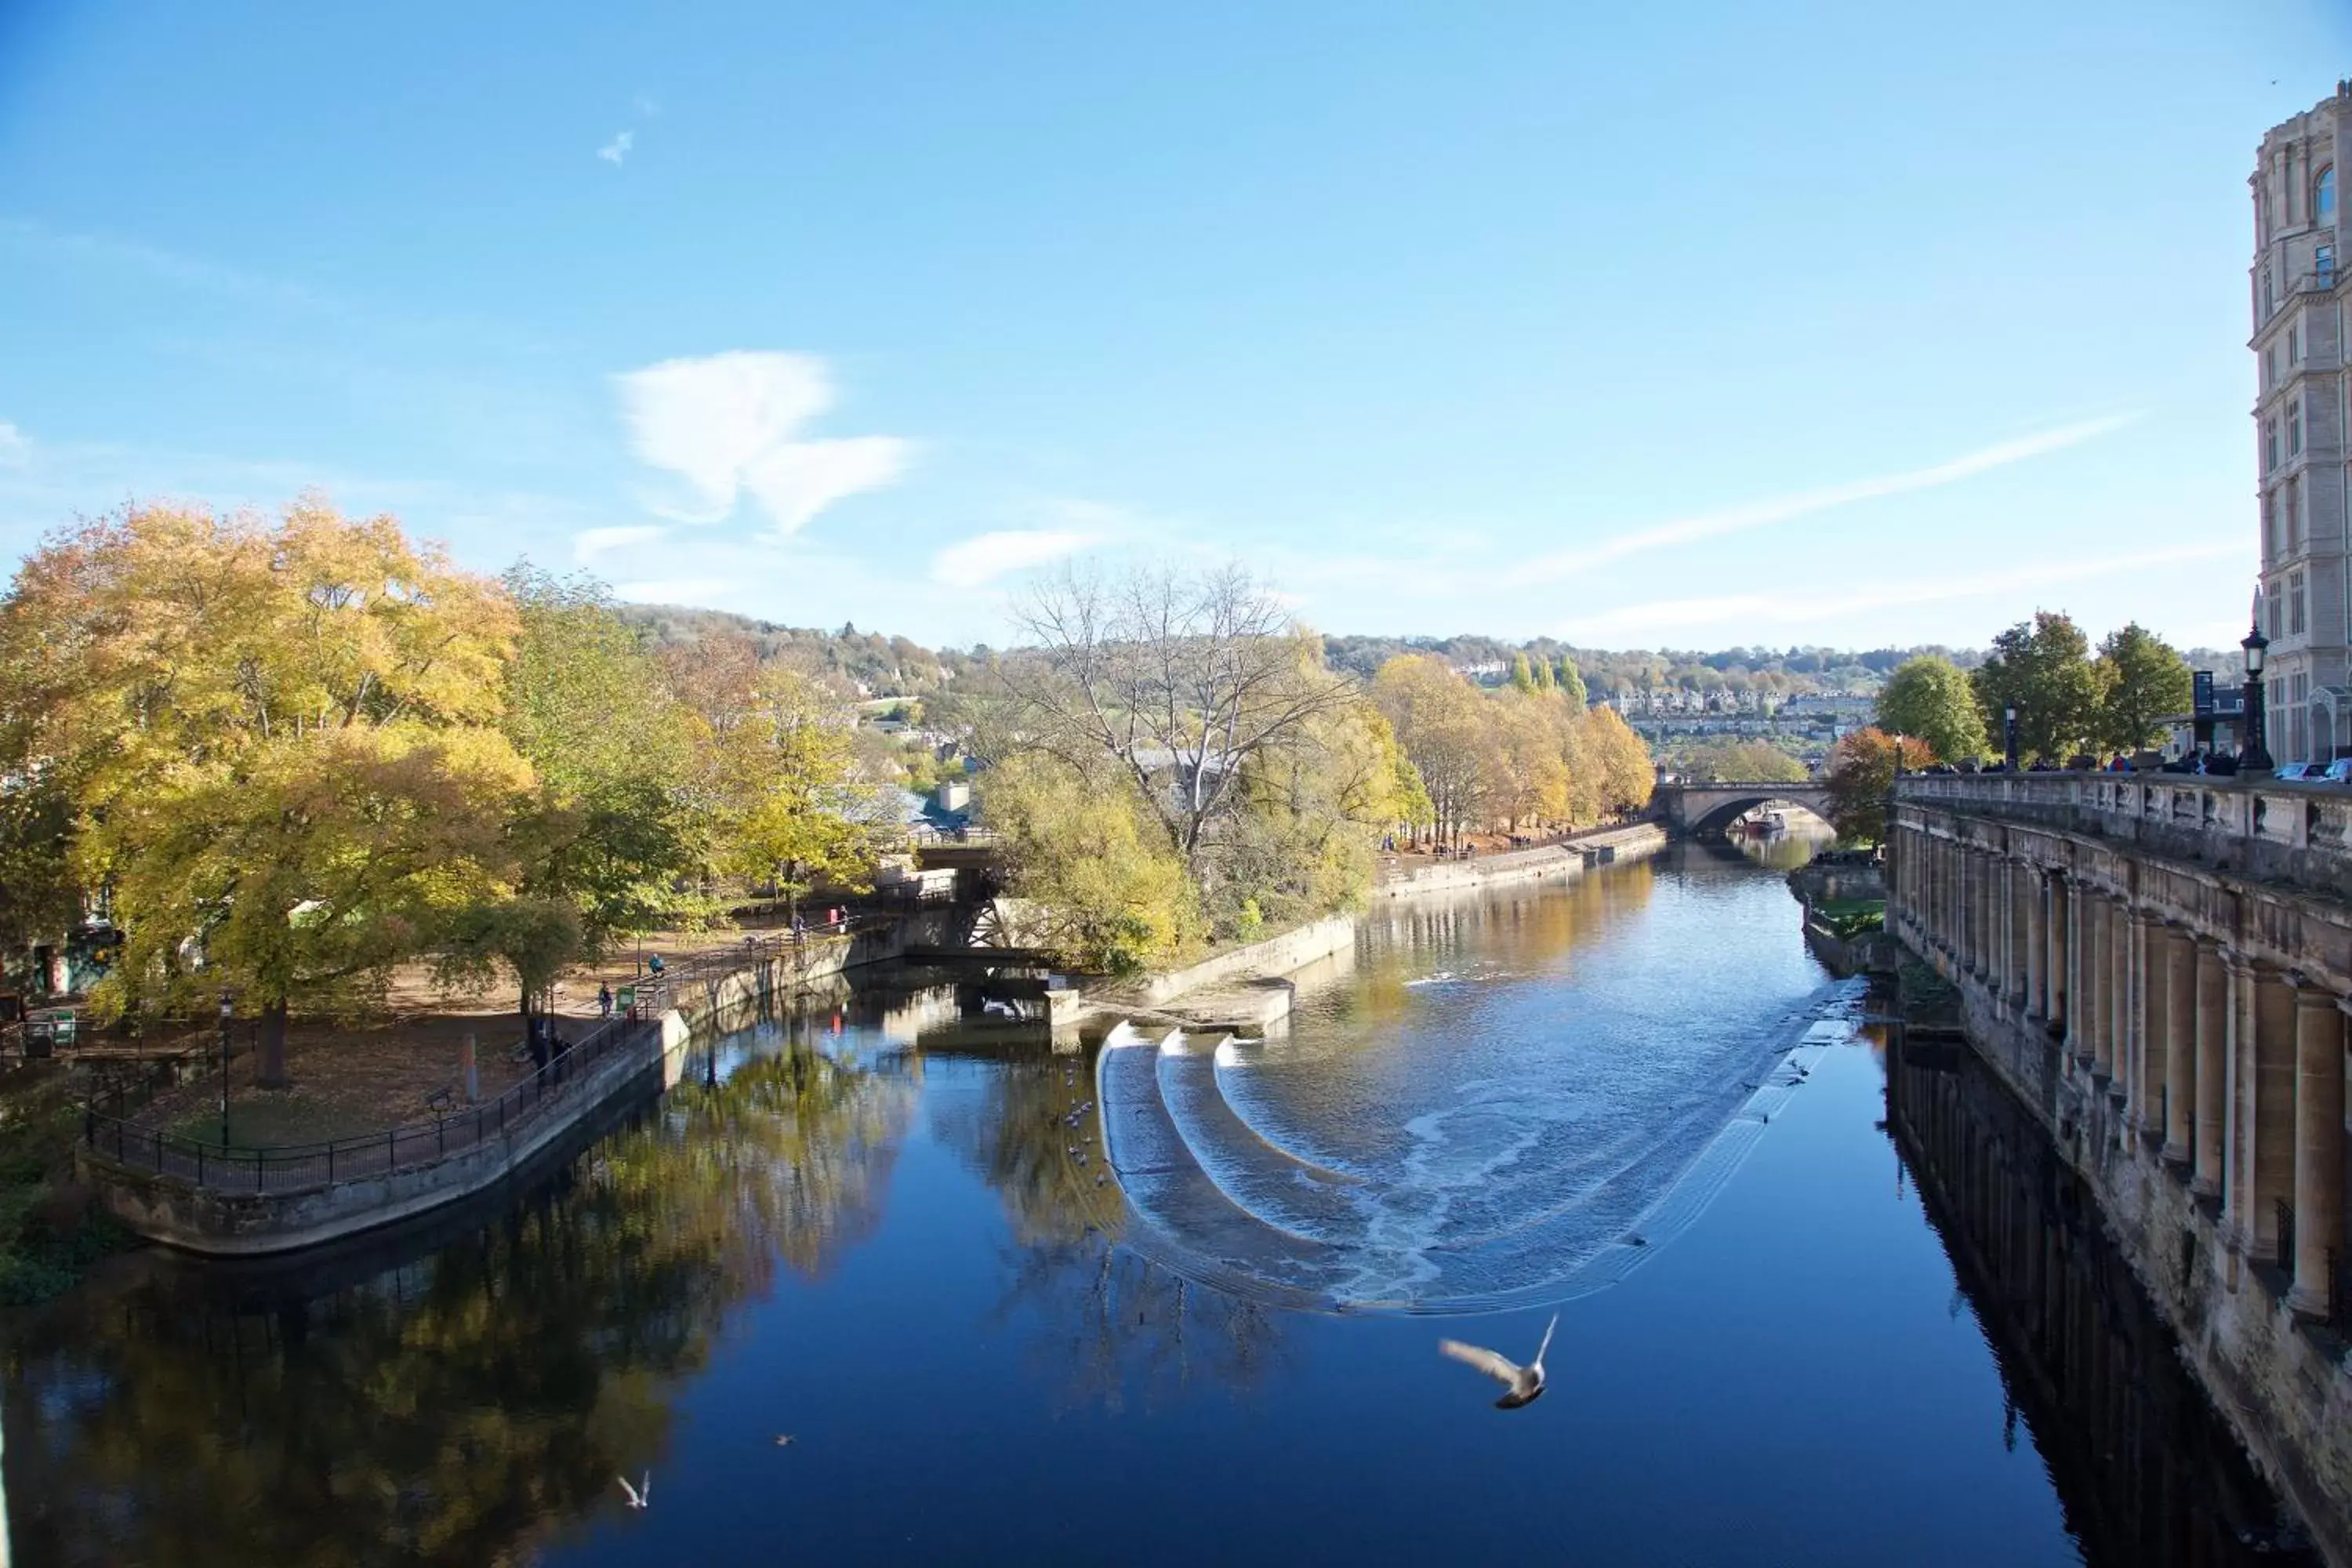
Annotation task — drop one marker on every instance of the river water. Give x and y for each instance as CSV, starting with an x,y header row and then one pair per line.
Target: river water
x,y
1180,1301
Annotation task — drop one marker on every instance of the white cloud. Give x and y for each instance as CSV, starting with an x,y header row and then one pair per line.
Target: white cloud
x,y
589,544
726,424
15,446
615,150
1813,608
1788,508
987,556
646,106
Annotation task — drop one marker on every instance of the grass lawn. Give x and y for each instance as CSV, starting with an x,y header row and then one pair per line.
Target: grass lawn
x,y
273,1121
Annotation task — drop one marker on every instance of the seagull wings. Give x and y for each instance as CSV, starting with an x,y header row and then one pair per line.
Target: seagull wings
x,y
1500,1368
1546,1340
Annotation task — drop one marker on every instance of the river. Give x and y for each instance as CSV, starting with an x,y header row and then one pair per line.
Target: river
x,y
1174,1303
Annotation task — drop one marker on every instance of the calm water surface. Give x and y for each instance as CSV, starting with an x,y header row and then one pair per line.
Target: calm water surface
x,y
897,1237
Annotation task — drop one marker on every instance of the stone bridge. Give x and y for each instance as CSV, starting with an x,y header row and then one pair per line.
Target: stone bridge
x,y
2158,967
1703,808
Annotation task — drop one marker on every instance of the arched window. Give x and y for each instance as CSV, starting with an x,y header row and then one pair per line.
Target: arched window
x,y
2323,196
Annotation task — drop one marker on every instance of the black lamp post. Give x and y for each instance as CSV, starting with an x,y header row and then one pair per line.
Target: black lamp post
x,y
226,1003
2253,755
2009,732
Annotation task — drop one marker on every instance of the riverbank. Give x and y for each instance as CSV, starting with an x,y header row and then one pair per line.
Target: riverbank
x,y
1249,989
221,1202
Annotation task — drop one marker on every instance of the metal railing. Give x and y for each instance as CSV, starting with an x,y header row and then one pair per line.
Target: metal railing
x,y
110,1128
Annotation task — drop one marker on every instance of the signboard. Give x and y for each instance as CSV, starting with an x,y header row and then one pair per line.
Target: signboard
x,y
2201,693
624,998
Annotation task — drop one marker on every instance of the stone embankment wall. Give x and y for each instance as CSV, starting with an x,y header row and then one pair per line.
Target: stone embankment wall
x,y
1246,987
2159,968
217,1221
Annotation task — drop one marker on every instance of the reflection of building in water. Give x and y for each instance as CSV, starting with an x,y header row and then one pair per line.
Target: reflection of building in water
x,y
2148,1474
903,1015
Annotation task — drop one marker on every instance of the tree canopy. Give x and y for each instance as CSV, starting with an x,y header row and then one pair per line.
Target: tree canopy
x,y
1861,777
2142,681
2043,666
1930,699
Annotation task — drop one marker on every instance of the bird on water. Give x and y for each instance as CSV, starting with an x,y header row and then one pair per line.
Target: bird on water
x,y
1522,1384
640,1496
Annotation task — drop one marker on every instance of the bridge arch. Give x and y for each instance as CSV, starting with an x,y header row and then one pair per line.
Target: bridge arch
x,y
1719,817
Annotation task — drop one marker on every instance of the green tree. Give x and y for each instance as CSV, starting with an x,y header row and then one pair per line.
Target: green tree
x,y
2144,679
1861,777
1523,678
1571,683
1544,681
2043,666
1106,885
1930,697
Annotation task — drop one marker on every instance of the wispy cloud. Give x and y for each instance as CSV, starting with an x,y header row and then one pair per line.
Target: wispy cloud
x,y
1644,622
982,559
1807,503
730,423
15,446
615,150
646,106
590,543
155,263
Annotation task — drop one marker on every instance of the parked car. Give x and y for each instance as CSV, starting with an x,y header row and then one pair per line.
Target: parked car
x,y
2291,771
2339,772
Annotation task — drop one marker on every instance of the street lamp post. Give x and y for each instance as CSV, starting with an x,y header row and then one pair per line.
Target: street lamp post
x,y
226,1003
2009,733
2253,753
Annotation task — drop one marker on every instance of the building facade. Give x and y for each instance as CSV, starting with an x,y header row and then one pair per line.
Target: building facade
x,y
2298,292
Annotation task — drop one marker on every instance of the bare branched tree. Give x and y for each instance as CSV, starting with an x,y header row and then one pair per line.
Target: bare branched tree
x,y
1175,679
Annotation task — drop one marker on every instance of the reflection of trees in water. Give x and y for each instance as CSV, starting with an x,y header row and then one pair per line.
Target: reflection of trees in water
x,y
1017,1137
1108,1324
455,1408
1114,1326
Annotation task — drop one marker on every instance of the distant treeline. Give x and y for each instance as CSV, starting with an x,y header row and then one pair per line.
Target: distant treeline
x,y
896,667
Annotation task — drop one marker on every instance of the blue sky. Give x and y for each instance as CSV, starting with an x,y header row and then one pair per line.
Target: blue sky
x,y
1692,325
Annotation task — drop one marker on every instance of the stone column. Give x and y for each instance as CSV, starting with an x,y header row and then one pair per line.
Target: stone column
x,y
2021,937
2270,1109
2037,946
2238,1076
2122,1044
2062,998
2212,1067
2179,971
2097,1010
2151,998
2318,1146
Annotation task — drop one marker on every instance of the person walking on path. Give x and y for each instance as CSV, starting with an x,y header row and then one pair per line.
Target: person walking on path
x,y
604,1001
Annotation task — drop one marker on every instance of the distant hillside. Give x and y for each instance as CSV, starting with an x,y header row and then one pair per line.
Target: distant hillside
x,y
896,667
882,665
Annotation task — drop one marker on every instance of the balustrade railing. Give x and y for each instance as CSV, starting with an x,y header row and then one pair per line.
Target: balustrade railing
x,y
2300,831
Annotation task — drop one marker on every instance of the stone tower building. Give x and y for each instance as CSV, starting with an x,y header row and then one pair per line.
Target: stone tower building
x,y
2299,343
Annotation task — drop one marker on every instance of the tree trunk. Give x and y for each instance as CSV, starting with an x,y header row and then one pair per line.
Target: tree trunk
x,y
272,1073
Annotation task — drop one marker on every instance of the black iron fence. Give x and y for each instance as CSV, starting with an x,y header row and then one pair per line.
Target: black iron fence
x,y
112,1126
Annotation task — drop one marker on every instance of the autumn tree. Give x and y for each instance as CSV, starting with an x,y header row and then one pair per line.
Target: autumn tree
x,y
1091,862
1930,697
1861,777
799,814
2143,680
2043,668
1752,762
279,737
1620,760
1571,683
1179,680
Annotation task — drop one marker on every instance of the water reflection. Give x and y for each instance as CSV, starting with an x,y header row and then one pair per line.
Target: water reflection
x,y
2149,1476
447,1407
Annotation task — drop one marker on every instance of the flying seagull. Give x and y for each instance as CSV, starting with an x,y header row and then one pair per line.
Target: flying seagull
x,y
642,1497
1525,1384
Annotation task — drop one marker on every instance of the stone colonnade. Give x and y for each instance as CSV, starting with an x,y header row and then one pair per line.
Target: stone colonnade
x,y
2221,1047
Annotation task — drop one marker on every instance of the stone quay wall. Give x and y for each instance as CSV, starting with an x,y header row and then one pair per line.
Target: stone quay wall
x,y
2159,968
